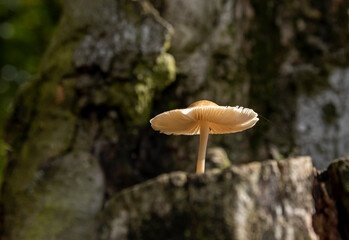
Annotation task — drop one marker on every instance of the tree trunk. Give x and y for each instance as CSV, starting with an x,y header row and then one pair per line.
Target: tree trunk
x,y
269,200
80,129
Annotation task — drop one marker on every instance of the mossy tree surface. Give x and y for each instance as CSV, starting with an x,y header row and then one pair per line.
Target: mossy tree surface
x,y
97,77
112,65
250,201
259,54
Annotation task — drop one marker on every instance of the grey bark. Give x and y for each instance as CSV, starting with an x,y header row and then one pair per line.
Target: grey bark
x,y
80,131
268,200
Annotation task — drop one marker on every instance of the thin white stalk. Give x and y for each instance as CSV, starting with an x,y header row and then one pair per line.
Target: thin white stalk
x,y
200,164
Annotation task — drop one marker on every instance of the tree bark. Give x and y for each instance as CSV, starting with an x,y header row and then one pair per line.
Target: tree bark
x,y
269,200
80,129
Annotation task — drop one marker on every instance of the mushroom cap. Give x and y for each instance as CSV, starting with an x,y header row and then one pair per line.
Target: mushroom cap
x,y
221,119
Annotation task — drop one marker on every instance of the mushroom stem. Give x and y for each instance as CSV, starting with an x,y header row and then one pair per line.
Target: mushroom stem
x,y
200,165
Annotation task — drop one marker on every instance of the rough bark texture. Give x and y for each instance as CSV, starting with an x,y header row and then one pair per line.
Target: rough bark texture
x,y
325,219
97,78
80,131
338,174
324,133
268,200
331,194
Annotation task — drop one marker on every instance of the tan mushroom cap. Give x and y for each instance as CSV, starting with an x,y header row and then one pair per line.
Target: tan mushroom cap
x,y
221,119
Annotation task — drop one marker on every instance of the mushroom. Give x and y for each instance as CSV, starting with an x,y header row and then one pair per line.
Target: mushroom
x,y
204,117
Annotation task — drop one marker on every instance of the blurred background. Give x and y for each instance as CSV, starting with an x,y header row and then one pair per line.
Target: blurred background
x,y
26,26
80,80
288,62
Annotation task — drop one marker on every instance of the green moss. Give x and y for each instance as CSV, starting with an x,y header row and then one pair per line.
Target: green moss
x,y
164,72
62,62
47,126
53,126
51,207
49,137
48,219
47,96
4,148
134,99
52,133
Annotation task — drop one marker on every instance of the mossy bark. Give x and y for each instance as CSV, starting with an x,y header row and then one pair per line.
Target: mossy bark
x,y
269,200
112,65
95,86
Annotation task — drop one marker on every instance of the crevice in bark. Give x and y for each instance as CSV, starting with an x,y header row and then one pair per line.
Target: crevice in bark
x,y
325,218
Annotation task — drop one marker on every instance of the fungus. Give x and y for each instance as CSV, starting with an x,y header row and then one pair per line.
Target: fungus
x,y
204,118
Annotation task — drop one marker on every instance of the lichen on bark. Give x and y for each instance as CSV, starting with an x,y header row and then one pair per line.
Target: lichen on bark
x,y
270,200
104,75
54,184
